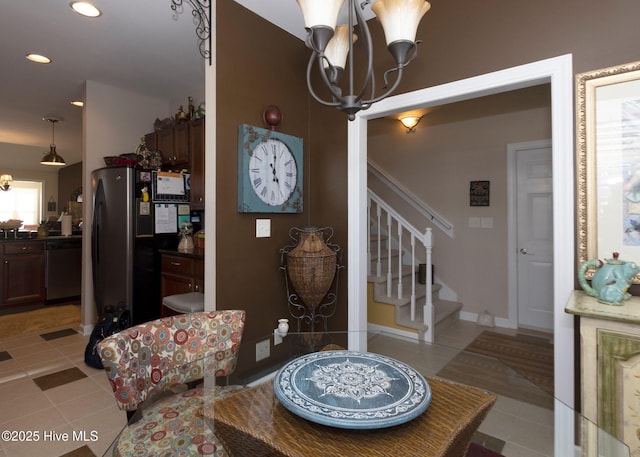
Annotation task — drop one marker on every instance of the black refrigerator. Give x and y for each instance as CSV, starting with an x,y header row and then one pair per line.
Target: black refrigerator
x,y
125,240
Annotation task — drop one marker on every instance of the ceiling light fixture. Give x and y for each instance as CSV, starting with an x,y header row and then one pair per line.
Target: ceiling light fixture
x,y
331,45
52,157
79,103
85,8
5,182
410,122
38,58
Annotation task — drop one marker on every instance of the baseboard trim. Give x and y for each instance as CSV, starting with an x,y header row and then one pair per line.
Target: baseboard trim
x,y
403,333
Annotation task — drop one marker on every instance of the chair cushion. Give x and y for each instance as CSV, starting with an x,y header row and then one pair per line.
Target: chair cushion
x,y
191,302
174,426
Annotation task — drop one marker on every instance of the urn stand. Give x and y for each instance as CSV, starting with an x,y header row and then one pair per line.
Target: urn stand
x,y
311,267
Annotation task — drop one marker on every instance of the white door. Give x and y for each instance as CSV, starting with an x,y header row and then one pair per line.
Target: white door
x,y
535,238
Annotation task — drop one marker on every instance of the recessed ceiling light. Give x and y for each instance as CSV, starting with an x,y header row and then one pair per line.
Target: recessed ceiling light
x,y
85,8
77,103
38,58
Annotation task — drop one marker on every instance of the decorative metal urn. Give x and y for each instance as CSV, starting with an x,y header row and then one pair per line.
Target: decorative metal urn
x,y
310,268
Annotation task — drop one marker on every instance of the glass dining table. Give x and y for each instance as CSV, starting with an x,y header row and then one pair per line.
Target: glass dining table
x,y
406,392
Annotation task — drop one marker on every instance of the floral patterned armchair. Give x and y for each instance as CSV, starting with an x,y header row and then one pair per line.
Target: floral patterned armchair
x,y
156,360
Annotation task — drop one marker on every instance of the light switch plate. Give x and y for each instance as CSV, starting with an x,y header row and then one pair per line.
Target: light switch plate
x,y
474,222
263,228
486,222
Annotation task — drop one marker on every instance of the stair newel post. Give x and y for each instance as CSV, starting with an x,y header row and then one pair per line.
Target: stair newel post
x,y
399,260
413,277
389,276
429,317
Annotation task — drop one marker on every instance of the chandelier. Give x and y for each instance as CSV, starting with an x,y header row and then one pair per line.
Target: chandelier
x,y
5,182
332,44
52,157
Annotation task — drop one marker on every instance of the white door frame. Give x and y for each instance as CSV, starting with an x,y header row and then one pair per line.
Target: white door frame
x,y
512,259
558,72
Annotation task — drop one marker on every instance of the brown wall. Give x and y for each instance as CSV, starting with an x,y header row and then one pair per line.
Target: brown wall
x,y
259,65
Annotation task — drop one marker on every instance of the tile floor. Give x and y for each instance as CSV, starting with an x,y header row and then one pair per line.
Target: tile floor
x,y
77,400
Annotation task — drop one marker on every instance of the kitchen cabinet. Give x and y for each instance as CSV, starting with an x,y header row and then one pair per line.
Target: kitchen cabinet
x,y
196,146
22,266
181,274
610,365
173,143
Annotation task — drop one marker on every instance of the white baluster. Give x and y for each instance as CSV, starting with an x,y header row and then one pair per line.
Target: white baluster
x,y
379,230
429,314
413,277
368,236
389,279
399,260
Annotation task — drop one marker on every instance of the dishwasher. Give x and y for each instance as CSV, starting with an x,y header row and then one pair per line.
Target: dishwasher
x,y
64,269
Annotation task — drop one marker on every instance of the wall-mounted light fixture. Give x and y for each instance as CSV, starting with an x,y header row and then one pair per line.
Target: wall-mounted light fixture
x,y
410,122
5,182
52,157
331,45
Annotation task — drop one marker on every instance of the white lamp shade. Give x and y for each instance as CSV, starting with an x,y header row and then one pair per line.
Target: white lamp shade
x,y
320,12
338,48
6,179
400,18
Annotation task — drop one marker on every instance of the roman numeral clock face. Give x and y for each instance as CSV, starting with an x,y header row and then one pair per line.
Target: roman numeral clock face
x,y
269,171
273,172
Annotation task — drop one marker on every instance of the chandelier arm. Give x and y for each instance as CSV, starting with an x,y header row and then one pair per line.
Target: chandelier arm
x,y
388,92
312,59
399,69
364,29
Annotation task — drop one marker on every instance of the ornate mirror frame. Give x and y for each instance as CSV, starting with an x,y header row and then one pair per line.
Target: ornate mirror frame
x,y
607,153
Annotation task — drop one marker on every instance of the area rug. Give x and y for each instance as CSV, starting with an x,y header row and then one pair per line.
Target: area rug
x,y
40,319
519,367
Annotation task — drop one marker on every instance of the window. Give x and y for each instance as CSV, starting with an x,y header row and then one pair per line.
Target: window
x,y
23,201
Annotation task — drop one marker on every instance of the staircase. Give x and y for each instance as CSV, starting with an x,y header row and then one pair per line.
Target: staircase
x,y
395,250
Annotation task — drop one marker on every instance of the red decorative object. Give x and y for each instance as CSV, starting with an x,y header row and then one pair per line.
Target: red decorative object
x,y
272,116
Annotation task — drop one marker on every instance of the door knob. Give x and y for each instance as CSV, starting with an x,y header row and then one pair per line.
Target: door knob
x,y
524,251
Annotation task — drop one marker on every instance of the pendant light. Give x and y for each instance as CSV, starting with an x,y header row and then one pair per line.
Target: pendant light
x,y
52,157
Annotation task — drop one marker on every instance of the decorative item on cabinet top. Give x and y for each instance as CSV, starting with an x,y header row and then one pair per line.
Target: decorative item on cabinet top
x,y
610,281
270,172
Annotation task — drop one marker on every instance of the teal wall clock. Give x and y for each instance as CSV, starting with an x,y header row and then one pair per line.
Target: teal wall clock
x,y
269,171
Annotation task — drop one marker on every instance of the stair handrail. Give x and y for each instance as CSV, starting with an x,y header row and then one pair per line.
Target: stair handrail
x,y
410,198
427,240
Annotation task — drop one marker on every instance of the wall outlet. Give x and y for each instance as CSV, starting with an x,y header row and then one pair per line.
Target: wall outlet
x,y
262,349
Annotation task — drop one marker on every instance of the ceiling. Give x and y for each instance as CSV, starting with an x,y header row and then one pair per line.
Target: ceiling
x,y
136,45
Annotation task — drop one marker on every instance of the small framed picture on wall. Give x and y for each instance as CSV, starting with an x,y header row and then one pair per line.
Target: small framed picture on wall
x,y
479,193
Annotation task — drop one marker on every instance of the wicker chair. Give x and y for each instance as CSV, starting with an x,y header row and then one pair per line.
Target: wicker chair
x,y
152,363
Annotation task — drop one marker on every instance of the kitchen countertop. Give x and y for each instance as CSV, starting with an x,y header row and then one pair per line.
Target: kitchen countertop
x,y
197,253
26,237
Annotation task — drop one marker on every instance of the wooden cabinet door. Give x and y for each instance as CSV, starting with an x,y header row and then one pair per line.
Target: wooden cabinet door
x,y
173,285
151,141
164,140
24,279
181,154
196,144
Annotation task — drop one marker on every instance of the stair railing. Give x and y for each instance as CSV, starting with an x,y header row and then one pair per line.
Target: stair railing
x,y
384,220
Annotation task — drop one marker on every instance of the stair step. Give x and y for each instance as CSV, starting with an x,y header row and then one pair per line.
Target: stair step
x,y
446,313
